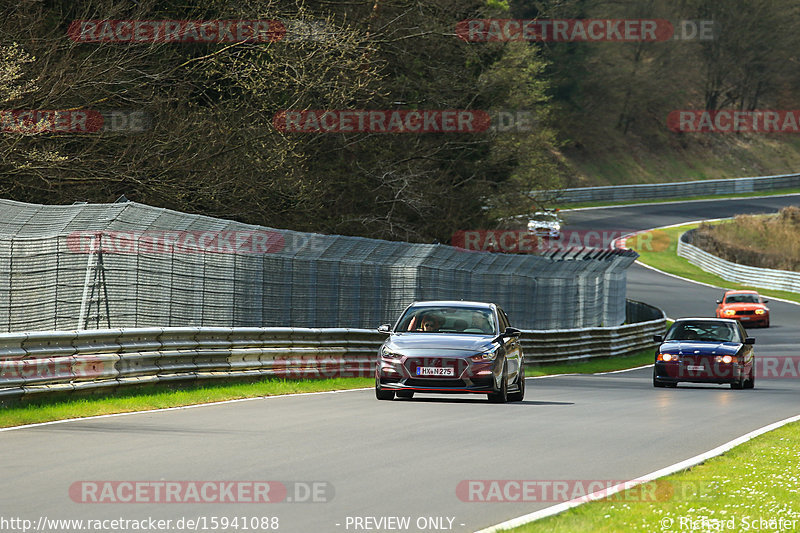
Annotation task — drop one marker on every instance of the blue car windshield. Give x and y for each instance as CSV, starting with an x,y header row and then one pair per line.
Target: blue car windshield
x,y
459,320
703,331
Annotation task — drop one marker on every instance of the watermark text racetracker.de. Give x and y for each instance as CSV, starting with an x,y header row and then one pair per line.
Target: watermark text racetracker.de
x,y
734,121
584,30
201,492
561,490
524,241
254,241
404,121
75,121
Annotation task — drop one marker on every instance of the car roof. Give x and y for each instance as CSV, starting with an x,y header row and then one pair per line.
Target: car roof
x,y
452,303
706,319
736,291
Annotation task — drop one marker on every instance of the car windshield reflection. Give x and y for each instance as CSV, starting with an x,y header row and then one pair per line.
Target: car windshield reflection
x,y
702,331
454,320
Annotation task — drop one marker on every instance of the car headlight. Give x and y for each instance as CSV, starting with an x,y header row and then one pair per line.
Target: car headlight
x,y
667,357
385,352
727,359
760,311
730,312
488,355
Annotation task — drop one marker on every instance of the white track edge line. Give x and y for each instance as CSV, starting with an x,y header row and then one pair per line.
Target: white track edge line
x,y
179,407
677,467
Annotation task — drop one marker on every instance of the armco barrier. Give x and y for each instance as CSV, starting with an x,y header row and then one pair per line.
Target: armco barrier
x,y
58,361
649,191
765,278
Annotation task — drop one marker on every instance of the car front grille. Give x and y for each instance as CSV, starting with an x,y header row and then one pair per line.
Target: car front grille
x,y
750,312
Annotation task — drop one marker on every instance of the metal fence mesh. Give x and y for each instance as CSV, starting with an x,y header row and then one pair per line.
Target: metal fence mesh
x,y
66,267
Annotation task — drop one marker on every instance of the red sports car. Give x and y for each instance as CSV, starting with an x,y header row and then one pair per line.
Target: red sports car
x,y
745,306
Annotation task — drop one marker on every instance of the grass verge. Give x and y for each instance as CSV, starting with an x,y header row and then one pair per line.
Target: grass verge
x,y
755,480
592,366
659,249
782,192
64,406
157,397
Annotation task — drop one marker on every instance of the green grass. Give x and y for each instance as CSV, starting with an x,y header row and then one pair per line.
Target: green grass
x,y
782,192
61,407
755,479
659,250
592,366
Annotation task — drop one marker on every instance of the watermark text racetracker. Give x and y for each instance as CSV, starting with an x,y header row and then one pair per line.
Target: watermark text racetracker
x,y
560,490
524,241
734,121
193,242
201,492
583,30
77,121
404,121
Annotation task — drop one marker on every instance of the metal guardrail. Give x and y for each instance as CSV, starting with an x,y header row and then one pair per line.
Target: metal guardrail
x,y
782,280
672,190
62,361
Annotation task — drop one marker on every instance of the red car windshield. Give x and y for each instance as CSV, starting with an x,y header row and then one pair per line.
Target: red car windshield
x,y
742,299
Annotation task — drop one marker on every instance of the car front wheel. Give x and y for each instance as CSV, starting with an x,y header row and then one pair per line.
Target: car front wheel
x,y
501,396
382,394
520,394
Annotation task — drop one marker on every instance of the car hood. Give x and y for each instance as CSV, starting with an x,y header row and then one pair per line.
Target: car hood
x,y
415,344
705,347
744,306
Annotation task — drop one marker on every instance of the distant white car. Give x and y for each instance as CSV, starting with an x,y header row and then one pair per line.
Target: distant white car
x,y
545,224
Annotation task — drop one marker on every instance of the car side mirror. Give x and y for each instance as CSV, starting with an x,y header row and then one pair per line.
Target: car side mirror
x,y
719,302
658,338
509,332
765,301
385,328
750,340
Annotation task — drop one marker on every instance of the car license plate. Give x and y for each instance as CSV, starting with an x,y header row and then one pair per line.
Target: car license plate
x,y
745,318
696,367
434,371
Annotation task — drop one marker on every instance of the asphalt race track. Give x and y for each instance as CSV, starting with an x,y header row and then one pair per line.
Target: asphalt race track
x,y
406,458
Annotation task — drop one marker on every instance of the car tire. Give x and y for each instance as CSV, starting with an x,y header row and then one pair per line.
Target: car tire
x,y
662,384
750,382
501,396
408,394
520,394
382,394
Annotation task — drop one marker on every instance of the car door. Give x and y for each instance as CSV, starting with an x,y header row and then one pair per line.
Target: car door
x,y
746,351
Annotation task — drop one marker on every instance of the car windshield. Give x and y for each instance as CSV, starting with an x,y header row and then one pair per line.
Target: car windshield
x,y
545,217
742,299
461,320
703,331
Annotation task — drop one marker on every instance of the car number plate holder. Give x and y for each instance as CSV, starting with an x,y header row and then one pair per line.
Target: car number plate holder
x,y
697,368
435,371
